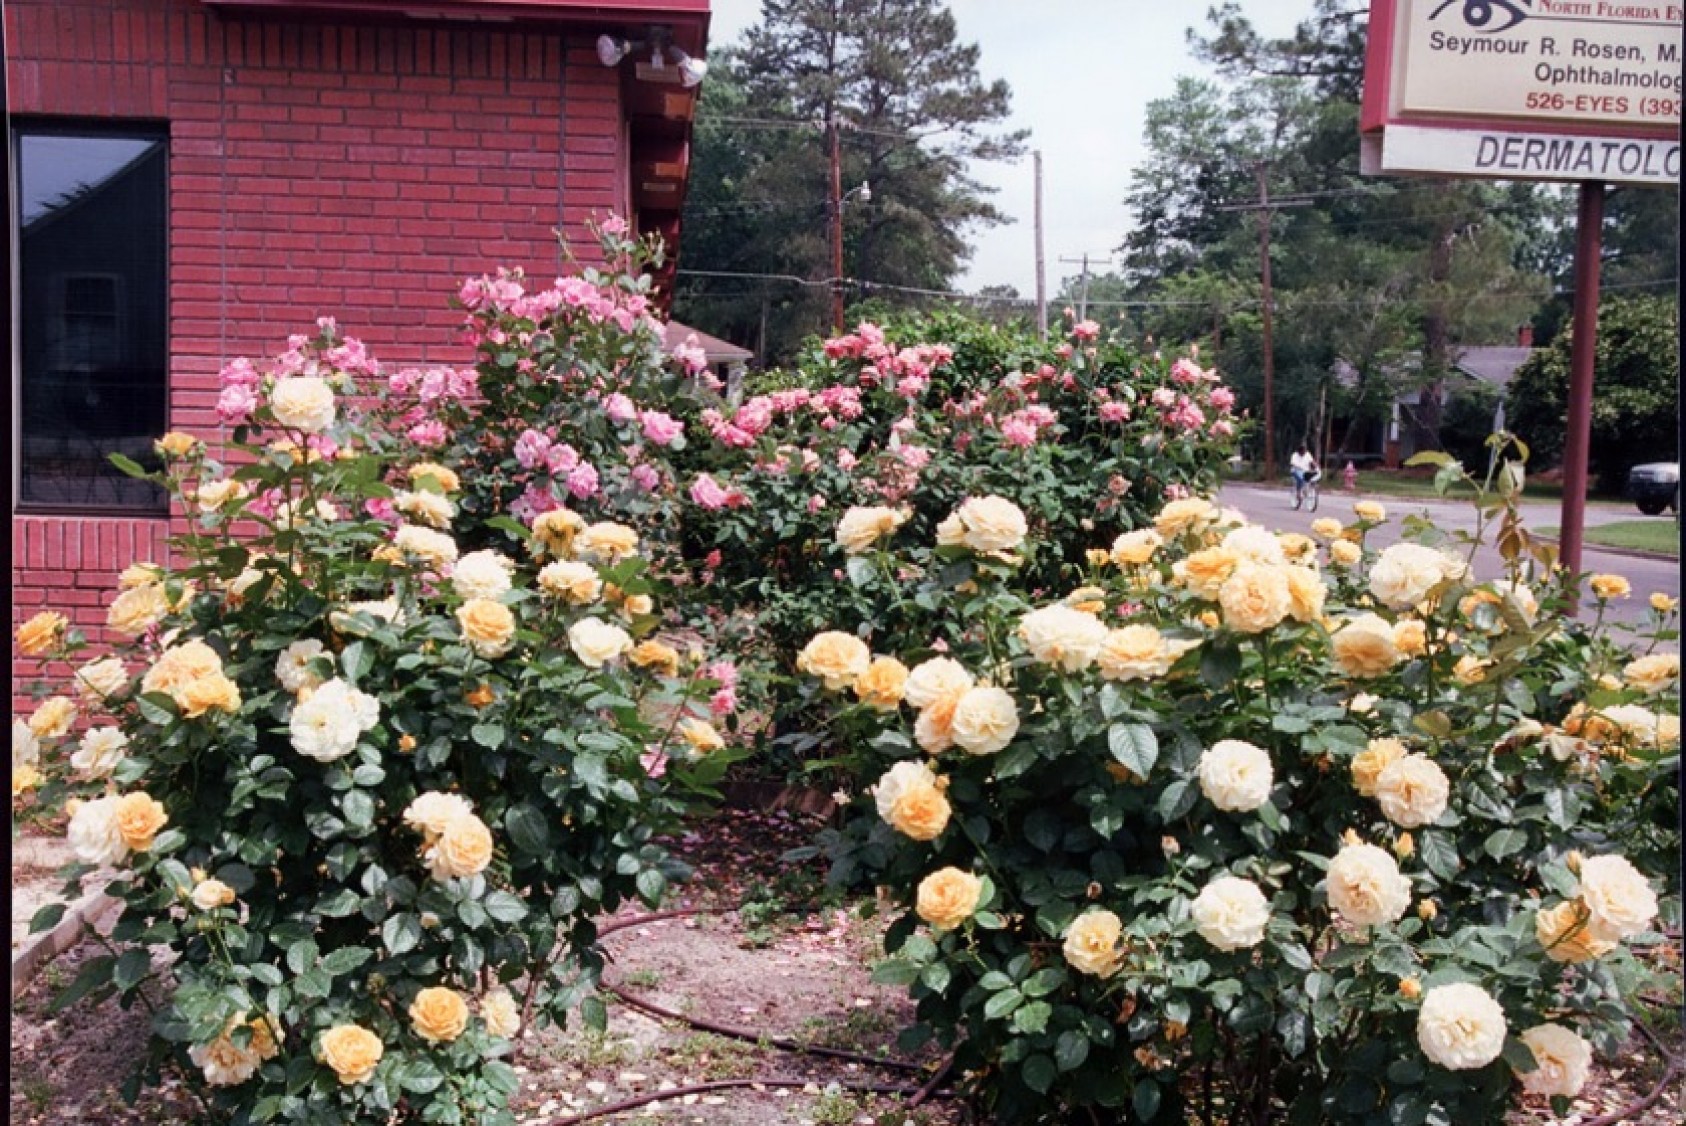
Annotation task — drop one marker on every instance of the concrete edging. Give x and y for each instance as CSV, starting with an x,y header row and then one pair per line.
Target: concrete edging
x,y
86,913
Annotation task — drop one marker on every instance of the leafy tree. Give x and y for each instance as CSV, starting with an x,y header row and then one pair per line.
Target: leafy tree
x,y
914,116
1636,391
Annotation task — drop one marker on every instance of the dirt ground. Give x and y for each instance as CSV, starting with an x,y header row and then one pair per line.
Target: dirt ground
x,y
791,962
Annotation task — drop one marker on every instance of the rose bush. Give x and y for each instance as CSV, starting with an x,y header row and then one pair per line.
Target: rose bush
x,y
1259,829
369,788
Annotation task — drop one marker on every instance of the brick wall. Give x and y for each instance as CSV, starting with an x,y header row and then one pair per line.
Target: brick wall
x,y
315,169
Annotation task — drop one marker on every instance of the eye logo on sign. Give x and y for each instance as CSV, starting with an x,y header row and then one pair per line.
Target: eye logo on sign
x,y
1487,16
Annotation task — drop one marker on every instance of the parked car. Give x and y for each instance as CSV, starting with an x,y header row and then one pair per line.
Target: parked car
x,y
1655,486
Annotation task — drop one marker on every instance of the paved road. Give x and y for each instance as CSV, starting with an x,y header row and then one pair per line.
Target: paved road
x,y
1274,508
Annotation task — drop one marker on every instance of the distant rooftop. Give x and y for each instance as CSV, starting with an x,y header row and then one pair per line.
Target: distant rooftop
x,y
1493,364
717,350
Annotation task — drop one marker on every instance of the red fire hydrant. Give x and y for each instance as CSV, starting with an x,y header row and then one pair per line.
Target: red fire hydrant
x,y
1349,478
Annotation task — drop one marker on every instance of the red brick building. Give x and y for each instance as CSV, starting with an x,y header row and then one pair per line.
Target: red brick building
x,y
199,178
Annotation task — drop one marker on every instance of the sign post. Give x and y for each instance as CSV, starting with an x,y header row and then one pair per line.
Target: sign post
x,y
1584,91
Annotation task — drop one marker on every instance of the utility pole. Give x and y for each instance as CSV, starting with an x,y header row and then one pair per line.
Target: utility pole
x,y
1269,345
1577,436
836,229
1083,289
1041,274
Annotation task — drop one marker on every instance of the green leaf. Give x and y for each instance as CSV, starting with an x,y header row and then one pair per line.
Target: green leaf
x,y
131,968
936,976
1220,664
46,918
1033,1018
1504,842
594,1013
1002,1003
1071,1050
1135,747
527,829
128,466
359,809
95,975
302,955
1038,1073
1518,1055
1295,1030
401,933
860,570
488,735
1176,800
506,907
345,959
651,884
156,708
1430,457
1439,854
895,971
1145,1099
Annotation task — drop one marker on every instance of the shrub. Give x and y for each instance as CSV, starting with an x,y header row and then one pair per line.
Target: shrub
x,y
1238,824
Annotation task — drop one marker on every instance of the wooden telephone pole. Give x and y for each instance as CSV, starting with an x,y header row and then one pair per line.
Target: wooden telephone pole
x,y
1041,273
836,229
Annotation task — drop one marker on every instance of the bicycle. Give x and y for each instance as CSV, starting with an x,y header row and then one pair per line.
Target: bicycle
x,y
1305,492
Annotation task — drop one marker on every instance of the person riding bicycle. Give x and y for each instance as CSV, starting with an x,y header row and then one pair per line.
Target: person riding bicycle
x,y
1303,467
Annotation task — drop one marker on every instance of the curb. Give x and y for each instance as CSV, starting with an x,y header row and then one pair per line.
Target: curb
x,y
90,911
1625,552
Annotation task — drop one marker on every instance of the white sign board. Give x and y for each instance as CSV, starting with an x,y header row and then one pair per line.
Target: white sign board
x,y
1581,62
1504,155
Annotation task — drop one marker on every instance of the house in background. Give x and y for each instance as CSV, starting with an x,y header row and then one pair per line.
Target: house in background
x,y
198,179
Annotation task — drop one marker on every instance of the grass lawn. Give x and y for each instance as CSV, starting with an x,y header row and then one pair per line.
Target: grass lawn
x,y
1655,535
1413,484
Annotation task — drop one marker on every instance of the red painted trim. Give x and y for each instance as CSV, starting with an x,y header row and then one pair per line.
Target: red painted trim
x,y
1532,125
570,9
1378,66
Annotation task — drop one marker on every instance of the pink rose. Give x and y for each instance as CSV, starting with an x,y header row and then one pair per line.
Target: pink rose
x,y
647,477
428,435
236,403
620,408
662,429
582,480
531,449
708,493
1086,330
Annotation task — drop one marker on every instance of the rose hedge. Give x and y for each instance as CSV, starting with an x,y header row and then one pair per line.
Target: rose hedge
x,y
1267,826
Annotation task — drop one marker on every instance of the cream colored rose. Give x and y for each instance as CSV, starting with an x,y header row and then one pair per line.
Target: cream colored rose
x,y
1643,726
99,753
98,681
554,532
596,642
861,527
213,496
327,724
208,895
436,549
53,717
837,658
654,655
701,735
1235,775
1606,587
139,573
1345,553
1138,547
385,609
139,817
138,609
181,665
1563,1061
303,402
1405,573
1366,887
951,531
295,667
1460,1027
1306,593
1652,673
1253,544
1368,764
985,720
1255,598
1326,528
94,834
939,678
353,1052
572,581
1092,943
223,1062
1369,511
1139,652
1060,636
445,479
1567,934
431,811
26,748
1231,913
910,800
607,543
482,574
41,632
1410,637
882,685
1663,604
439,1015
429,509
1618,896
1363,646
501,1014
1204,572
992,524
1185,515
948,897
1413,791
489,627
464,848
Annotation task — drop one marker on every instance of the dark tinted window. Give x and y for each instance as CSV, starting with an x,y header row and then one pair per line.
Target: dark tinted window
x,y
93,219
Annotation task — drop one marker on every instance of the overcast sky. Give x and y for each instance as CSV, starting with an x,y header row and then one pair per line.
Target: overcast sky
x,y
1082,73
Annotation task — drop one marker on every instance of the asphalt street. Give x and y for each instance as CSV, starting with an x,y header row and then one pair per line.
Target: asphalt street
x,y
1274,508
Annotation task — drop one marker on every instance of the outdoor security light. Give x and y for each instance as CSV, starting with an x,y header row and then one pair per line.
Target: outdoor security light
x,y
691,71
610,51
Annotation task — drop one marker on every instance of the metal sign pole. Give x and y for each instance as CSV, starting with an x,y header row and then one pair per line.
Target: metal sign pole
x,y
1577,438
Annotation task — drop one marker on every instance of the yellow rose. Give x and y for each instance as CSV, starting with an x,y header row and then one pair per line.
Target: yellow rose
x,y
701,735
432,810
985,720
1370,512
1469,670
487,626
436,549
1663,604
991,524
1181,516
175,444
1653,673
138,609
1606,587
1204,572
1363,646
1345,553
572,580
444,478
1235,775
1306,593
606,542
1368,764
499,1011
1092,943
1410,637
883,683
24,778
837,658
215,495
353,1052
1412,791
41,633
1406,572
1460,1026
439,1015
860,527
1097,557
211,693
554,532
53,718
1326,528
910,800
464,848
1410,988
303,402
1138,652
1087,599
430,509
664,659
1567,933
1135,548
948,897
208,895
934,729
1297,548
138,817
1255,598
